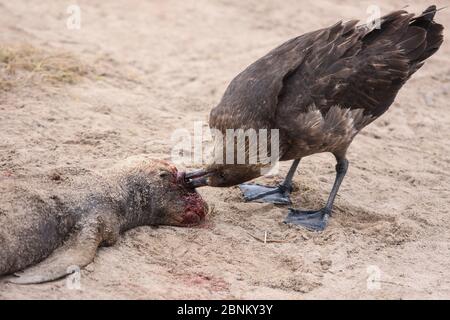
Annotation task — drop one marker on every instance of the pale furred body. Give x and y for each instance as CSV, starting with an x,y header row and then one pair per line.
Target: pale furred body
x,y
64,215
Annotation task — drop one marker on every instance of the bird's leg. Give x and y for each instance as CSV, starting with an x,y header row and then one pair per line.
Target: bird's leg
x,y
278,194
317,220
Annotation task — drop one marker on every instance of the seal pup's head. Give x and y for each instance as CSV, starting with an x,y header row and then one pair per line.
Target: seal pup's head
x,y
165,198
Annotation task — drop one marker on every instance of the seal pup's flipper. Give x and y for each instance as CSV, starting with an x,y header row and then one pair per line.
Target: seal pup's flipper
x,y
78,251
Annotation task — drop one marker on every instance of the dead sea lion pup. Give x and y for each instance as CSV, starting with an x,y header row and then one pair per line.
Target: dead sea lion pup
x,y
60,219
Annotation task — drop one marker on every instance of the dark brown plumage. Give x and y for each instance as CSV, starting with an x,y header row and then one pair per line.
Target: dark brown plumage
x,y
321,88
343,65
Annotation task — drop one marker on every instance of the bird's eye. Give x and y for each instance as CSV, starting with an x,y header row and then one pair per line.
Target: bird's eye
x,y
164,174
222,175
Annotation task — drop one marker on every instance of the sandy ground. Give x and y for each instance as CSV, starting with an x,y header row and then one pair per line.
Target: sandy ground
x,y
144,69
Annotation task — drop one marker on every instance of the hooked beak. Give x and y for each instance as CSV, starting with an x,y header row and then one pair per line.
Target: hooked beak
x,y
196,179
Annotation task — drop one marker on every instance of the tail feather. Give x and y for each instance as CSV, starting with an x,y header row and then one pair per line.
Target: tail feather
x,y
426,17
423,38
418,37
435,38
413,37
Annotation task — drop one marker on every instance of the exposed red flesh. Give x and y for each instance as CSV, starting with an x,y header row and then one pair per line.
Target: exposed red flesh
x,y
195,209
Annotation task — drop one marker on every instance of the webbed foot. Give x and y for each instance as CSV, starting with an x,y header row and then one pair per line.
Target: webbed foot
x,y
259,193
315,220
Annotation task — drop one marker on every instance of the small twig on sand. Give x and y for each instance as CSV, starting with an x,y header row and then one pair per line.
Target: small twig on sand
x,y
265,240
392,283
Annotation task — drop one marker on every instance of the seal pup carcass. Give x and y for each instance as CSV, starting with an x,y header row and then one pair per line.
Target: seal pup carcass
x,y
58,220
319,90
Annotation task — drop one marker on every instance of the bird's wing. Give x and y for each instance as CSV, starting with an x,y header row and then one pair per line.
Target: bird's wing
x,y
360,67
252,96
345,65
